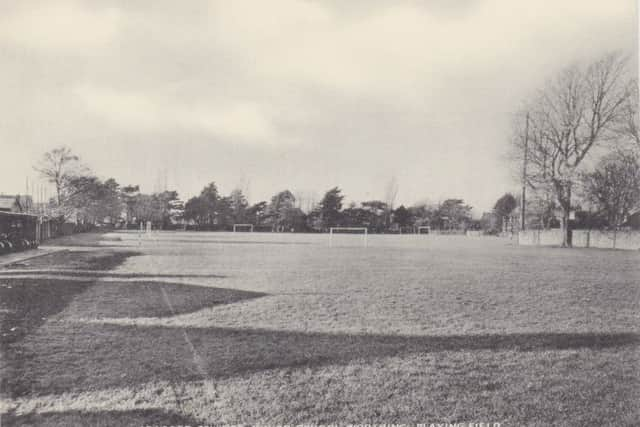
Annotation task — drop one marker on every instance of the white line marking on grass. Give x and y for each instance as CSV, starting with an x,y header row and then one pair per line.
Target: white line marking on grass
x,y
209,387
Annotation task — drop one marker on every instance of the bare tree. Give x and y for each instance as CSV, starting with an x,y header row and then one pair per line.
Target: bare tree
x,y
59,166
614,186
630,123
391,192
576,111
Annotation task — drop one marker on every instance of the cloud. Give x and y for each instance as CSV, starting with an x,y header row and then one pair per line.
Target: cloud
x,y
241,122
60,26
299,94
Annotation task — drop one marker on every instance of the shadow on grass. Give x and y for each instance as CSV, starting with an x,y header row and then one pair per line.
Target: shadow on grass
x,y
107,274
138,417
25,304
80,357
150,299
78,260
226,242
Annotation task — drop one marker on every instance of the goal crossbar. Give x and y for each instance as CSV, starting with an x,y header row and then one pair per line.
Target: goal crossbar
x,y
332,231
236,226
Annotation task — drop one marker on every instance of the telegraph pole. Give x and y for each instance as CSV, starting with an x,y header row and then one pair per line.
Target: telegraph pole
x,y
524,173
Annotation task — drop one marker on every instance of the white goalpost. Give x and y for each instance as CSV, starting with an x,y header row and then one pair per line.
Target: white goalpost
x,y
348,230
423,227
246,227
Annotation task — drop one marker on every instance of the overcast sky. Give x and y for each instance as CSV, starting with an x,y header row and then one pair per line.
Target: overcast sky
x,y
304,95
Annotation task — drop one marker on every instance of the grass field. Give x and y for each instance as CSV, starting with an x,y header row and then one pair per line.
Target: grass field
x,y
188,328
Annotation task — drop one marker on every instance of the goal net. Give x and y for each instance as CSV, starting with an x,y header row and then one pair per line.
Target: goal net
x,y
348,235
243,227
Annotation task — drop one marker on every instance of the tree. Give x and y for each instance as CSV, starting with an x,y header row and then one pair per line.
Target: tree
x,y
255,214
59,166
376,215
280,211
576,111
422,214
629,128
614,187
209,198
129,194
166,204
391,192
503,208
238,205
195,210
224,212
452,214
204,208
402,216
330,207
91,199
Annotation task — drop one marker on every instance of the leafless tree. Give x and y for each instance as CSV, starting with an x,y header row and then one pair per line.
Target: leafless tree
x,y
60,166
614,186
630,123
578,110
391,192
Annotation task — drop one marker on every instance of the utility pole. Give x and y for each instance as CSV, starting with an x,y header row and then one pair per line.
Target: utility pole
x,y
524,173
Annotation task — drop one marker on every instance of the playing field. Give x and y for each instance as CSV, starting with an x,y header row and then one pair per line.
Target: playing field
x,y
188,328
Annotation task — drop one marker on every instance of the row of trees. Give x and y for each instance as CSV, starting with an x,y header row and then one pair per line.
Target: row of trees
x,y
576,140
210,210
80,196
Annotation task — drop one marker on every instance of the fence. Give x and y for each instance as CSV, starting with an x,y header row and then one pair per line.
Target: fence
x,y
629,240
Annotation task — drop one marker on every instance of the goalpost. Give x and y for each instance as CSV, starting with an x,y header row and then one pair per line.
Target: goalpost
x,y
423,227
348,230
249,226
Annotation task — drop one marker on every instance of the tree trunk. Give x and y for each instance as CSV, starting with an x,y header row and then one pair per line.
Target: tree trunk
x,y
566,211
563,194
566,241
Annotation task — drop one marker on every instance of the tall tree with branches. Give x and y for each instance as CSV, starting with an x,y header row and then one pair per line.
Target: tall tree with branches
x,y
59,166
578,110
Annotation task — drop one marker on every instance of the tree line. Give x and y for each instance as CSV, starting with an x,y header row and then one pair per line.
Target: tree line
x,y
575,146
80,196
211,211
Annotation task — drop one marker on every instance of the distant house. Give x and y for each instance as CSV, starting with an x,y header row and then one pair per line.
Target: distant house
x,y
15,203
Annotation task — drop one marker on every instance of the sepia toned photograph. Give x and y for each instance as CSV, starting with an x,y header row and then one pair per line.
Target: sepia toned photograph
x,y
319,213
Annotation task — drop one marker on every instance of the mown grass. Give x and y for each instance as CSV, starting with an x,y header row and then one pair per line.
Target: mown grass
x,y
309,334
138,417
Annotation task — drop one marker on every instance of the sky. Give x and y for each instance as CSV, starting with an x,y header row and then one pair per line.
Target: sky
x,y
289,94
